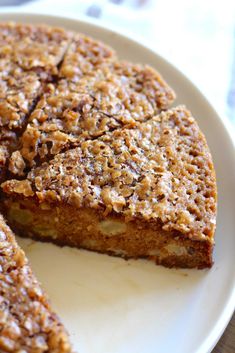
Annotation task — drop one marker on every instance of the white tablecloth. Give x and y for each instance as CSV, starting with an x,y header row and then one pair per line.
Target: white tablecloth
x,y
197,36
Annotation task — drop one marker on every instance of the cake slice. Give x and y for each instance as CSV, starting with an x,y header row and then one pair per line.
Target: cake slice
x,y
149,191
27,322
118,95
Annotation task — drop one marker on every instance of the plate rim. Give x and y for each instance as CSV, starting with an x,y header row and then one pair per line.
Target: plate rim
x,y
207,345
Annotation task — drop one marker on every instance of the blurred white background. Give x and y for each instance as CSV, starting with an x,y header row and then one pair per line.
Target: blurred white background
x,y
197,36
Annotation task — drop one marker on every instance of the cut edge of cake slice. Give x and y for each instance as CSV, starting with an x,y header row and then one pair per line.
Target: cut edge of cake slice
x,y
27,322
147,192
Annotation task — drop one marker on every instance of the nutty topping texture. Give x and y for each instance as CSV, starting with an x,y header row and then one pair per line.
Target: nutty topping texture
x,y
29,56
84,57
18,91
27,323
93,92
119,94
33,47
160,171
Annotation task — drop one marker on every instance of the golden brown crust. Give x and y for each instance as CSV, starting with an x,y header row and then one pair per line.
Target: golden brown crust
x,y
26,320
160,171
18,91
117,96
33,47
92,92
18,94
25,51
29,55
84,57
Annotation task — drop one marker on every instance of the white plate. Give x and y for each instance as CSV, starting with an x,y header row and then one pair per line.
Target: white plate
x,y
113,306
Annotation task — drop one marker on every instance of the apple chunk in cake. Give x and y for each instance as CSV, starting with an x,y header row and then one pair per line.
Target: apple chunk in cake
x,y
148,192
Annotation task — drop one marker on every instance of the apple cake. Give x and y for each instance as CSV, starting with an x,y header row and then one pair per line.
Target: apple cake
x,y
146,191
92,156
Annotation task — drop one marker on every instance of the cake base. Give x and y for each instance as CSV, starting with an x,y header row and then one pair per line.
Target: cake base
x,y
90,229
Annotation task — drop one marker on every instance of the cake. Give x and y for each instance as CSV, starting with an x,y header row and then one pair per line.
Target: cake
x,y
27,322
92,155
147,191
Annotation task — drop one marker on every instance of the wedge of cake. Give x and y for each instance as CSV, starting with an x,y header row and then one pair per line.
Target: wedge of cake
x,y
147,191
27,322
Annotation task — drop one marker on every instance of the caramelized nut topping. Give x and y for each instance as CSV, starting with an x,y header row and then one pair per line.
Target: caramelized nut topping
x,y
117,95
